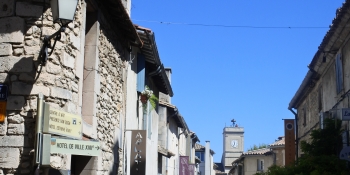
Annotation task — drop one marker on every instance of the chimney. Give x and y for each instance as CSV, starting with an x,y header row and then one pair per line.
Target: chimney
x,y
168,73
162,96
207,159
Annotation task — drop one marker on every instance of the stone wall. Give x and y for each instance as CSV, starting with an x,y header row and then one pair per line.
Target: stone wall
x,y
110,102
23,25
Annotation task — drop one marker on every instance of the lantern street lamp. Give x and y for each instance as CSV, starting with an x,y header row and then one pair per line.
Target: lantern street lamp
x,y
63,13
63,10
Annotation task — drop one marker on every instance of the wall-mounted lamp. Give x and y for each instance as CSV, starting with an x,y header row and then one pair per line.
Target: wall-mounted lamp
x,y
63,13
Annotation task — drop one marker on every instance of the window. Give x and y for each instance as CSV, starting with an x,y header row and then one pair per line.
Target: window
x,y
141,73
304,117
260,164
339,73
320,96
200,155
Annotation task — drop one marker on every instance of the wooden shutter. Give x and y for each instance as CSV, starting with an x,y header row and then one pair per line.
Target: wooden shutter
x,y
141,72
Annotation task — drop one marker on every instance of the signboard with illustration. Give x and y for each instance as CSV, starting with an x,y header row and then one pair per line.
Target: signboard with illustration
x,y
62,123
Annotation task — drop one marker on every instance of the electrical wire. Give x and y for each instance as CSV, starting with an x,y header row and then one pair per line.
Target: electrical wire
x,y
230,26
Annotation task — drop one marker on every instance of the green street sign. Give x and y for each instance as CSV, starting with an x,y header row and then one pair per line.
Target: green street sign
x,y
62,123
75,147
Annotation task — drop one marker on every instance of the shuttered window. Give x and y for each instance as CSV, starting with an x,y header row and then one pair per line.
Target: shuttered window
x,y
260,165
339,73
140,72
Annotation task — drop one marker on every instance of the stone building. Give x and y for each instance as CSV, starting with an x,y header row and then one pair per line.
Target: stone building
x,y
233,145
98,69
86,75
176,140
259,160
324,92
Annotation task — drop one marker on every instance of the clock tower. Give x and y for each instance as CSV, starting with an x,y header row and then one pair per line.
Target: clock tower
x,y
233,144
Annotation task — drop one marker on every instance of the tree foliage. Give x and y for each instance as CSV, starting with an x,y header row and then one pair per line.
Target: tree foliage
x,y
321,154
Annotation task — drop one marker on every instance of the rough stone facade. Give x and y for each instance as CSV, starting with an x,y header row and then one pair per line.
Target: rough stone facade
x,y
326,91
110,101
23,23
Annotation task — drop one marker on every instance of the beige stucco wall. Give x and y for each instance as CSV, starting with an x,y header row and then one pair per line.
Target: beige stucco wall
x,y
250,163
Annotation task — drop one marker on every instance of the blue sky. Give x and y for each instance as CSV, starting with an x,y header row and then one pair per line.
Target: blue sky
x,y
236,59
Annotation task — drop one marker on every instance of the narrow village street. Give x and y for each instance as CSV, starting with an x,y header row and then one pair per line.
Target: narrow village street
x,y
84,90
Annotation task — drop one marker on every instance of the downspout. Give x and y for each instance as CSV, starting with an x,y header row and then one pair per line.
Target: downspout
x,y
156,72
296,134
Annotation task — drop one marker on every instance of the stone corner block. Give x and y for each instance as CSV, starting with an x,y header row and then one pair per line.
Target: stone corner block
x,y
5,49
16,129
12,30
40,89
75,41
67,60
28,10
60,93
12,141
15,102
16,64
7,8
9,157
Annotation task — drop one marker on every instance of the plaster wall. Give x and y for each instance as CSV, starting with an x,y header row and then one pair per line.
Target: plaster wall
x,y
152,147
133,108
173,147
250,163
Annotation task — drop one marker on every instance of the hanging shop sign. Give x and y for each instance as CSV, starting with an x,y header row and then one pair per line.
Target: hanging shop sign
x,y
3,92
62,123
138,152
75,147
191,169
183,170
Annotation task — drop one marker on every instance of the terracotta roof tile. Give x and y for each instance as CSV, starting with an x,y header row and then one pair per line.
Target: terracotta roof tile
x,y
258,151
279,142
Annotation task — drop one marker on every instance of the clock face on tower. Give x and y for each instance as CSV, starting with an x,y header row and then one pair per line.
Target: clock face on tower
x,y
234,143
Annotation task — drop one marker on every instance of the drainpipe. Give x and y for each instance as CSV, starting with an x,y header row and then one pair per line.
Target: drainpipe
x,y
296,134
156,72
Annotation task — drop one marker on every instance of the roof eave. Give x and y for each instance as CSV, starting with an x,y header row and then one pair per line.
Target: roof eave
x,y
149,49
116,12
325,46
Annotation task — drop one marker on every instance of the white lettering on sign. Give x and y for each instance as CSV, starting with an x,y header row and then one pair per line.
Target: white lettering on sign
x,y
138,151
75,147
